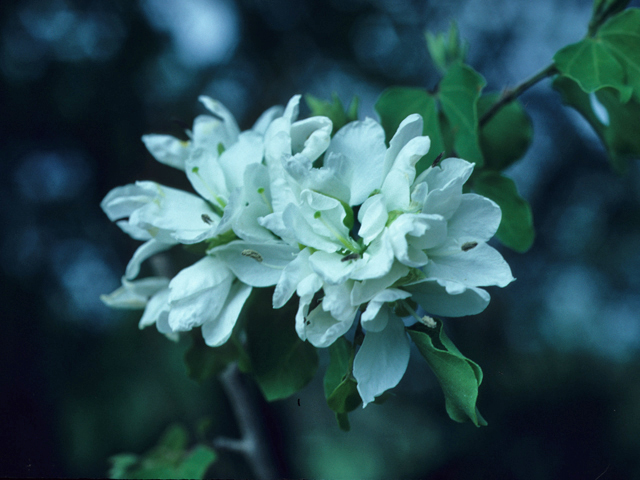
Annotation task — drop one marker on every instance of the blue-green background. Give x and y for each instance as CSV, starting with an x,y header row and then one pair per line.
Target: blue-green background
x,y
80,82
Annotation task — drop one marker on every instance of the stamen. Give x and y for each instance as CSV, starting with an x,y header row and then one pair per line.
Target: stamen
x,y
252,254
265,199
468,246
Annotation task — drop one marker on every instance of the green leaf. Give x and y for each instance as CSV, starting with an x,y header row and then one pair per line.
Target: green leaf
x,y
282,363
516,227
621,35
591,64
458,376
204,362
397,103
507,135
334,110
620,135
340,388
446,50
169,459
611,58
458,94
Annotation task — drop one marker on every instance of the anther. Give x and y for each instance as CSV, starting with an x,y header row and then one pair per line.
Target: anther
x,y
252,254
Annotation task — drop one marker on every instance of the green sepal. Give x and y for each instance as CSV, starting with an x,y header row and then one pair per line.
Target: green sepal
x,y
620,136
458,93
281,363
204,362
397,103
169,459
334,110
516,227
340,388
458,376
506,137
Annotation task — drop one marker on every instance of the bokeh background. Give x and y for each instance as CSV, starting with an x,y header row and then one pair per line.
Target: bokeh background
x,y
80,82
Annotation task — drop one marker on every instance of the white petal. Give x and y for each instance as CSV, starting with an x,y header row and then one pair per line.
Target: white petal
x,y
476,219
411,233
174,215
266,118
121,202
337,301
330,267
248,150
198,293
158,305
134,295
322,329
376,261
167,149
408,129
397,184
373,218
291,276
374,318
217,331
256,264
297,224
481,266
311,136
134,231
445,185
364,291
231,130
361,145
382,360
142,253
434,298
207,176
306,290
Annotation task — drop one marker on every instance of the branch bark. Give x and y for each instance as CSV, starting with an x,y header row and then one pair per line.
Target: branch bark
x,y
254,443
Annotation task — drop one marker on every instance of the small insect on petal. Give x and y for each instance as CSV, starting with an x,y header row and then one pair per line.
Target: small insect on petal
x,y
252,254
207,219
351,256
468,246
437,159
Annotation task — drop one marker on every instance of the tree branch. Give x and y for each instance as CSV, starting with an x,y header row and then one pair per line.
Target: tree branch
x,y
253,444
510,95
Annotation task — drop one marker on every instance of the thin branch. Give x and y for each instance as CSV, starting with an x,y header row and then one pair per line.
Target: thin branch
x,y
253,444
510,95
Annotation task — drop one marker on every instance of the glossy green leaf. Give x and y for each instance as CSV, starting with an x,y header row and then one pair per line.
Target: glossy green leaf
x,y
458,376
333,109
340,388
396,103
516,227
619,132
621,35
610,58
507,135
591,64
169,459
458,94
282,363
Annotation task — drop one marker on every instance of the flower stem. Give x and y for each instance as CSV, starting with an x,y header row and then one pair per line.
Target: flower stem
x,y
253,443
510,95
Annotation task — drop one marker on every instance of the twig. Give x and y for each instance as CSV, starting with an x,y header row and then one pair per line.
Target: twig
x,y
510,95
253,443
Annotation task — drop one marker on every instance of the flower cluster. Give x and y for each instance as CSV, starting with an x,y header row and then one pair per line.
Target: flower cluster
x,y
342,221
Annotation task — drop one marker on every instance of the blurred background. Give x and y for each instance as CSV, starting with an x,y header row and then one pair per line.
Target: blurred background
x,y
80,82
